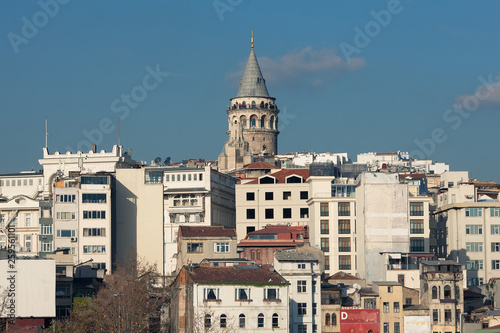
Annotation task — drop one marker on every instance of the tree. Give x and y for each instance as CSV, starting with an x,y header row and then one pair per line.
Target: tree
x,y
205,321
128,301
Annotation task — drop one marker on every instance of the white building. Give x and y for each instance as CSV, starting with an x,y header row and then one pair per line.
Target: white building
x,y
302,271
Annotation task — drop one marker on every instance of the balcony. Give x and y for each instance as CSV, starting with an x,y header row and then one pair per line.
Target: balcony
x,y
344,267
395,267
344,249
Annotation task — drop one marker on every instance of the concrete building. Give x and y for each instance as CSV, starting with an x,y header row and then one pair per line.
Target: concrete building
x,y
390,304
252,121
277,198
259,246
155,201
242,298
468,227
302,271
441,292
331,302
28,183
198,243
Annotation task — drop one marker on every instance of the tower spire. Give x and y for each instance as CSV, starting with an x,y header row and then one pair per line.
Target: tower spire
x,y
252,39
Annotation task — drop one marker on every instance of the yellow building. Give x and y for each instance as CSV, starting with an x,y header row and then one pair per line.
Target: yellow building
x,y
390,303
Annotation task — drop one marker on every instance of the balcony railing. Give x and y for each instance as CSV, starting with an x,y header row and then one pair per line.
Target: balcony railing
x,y
344,249
416,231
392,267
345,267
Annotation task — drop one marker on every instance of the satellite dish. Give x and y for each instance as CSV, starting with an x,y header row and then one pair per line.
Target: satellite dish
x,y
158,160
167,161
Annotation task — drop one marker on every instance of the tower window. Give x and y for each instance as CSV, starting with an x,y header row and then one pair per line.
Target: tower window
x,y
253,138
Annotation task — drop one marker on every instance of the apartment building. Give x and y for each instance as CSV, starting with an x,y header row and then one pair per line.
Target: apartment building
x,y
331,302
198,243
302,271
28,183
277,198
155,201
468,227
441,292
242,298
390,305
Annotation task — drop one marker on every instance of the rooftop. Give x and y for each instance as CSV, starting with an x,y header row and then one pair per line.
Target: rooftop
x,y
252,84
287,255
386,283
207,231
282,175
343,276
259,166
239,274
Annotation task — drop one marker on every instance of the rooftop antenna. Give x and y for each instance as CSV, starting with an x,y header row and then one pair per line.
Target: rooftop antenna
x,y
46,133
118,131
252,39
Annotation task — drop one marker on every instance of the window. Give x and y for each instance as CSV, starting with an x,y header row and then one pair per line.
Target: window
x,y
93,198
334,319
252,255
327,319
344,244
473,212
94,214
208,321
386,307
250,213
304,213
260,320
396,307
476,246
435,315
344,226
94,249
46,229
344,262
302,309
269,213
494,212
90,232
327,262
287,195
287,213
195,247
301,266
474,264
396,327
325,244
495,247
67,216
46,246
27,220
325,229
447,315
271,293
98,265
301,286
474,229
223,321
65,198
301,328
269,196
408,301
323,207
242,320
258,254
304,195
416,209
242,294
390,289
434,292
495,264
315,308
94,180
370,303
210,293
386,327
474,281
221,247
344,209
154,177
417,245
416,226
495,229
275,320
65,233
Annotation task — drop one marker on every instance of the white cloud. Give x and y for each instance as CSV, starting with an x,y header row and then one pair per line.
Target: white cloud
x,y
305,66
486,94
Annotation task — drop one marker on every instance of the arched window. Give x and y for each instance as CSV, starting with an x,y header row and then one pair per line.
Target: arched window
x,y
447,291
263,122
252,255
223,321
242,320
334,319
253,104
243,121
327,319
275,320
457,292
434,292
253,138
260,320
253,122
258,254
208,321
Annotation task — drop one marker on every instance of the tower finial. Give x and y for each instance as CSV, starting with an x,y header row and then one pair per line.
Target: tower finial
x,y
252,39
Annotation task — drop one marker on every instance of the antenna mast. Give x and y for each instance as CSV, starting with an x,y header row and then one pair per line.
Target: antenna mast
x,y
118,131
46,134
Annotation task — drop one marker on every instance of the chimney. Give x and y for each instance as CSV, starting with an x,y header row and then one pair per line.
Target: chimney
x,y
94,147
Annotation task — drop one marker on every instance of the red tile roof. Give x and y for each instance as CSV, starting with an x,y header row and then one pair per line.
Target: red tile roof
x,y
207,231
272,229
259,166
411,175
245,274
283,174
342,276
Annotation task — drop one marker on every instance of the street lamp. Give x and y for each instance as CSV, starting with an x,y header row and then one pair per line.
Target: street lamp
x,y
119,314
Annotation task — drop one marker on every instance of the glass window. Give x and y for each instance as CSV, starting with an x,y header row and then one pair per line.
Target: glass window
x,y
271,293
242,293
396,307
287,195
301,286
250,196
386,327
250,213
195,247
344,226
325,227
325,244
304,213
473,211
242,320
495,229
473,229
417,245
269,195
474,246
434,292
302,309
386,307
344,209
222,247
275,320
304,195
416,209
495,212
474,264
210,293
344,262
416,226
323,206
344,244
269,213
260,320
94,180
93,198
287,213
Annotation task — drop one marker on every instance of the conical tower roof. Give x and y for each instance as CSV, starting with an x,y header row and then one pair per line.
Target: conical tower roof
x,y
252,84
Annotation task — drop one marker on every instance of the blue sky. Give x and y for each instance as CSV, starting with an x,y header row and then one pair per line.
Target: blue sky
x,y
423,78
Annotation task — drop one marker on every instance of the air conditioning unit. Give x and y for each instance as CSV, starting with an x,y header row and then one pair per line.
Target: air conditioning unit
x,y
74,239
